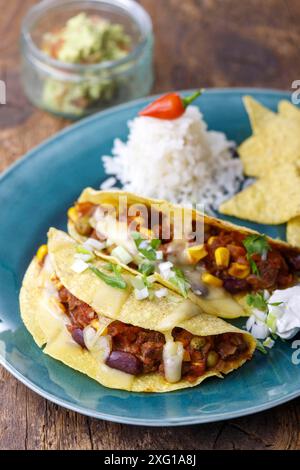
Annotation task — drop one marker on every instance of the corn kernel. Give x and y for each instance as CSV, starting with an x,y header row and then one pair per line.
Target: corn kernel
x,y
186,356
196,253
72,214
212,280
211,240
41,253
239,270
222,256
95,324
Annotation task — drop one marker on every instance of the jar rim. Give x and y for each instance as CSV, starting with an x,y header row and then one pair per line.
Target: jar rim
x,y
133,10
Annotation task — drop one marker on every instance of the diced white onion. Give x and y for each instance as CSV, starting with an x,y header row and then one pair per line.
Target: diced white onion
x,y
92,244
84,256
163,292
144,244
89,336
109,242
269,343
166,266
141,294
266,294
172,359
166,274
137,282
259,314
122,255
98,214
250,322
151,279
260,330
79,266
159,255
102,347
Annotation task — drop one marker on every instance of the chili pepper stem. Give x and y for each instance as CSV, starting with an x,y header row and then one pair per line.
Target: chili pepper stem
x,y
189,99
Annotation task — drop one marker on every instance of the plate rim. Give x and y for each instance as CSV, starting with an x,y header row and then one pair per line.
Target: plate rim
x,y
156,422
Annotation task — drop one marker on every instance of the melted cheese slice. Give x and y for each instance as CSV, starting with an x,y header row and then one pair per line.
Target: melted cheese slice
x,y
186,310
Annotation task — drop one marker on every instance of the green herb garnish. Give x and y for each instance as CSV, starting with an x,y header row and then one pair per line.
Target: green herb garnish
x,y
147,268
116,281
84,251
257,301
261,347
179,280
255,244
150,251
155,243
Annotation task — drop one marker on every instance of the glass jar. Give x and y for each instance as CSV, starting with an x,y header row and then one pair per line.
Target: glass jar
x,y
76,90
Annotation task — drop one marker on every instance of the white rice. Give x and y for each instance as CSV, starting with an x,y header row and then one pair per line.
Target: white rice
x,y
178,160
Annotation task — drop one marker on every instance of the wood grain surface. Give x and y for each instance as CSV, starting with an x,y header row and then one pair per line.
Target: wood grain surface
x,y
212,43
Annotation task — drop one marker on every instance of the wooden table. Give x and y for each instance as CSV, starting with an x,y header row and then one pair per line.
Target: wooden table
x,y
210,43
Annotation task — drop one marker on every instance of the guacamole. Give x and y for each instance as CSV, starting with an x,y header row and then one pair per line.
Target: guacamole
x,y
84,40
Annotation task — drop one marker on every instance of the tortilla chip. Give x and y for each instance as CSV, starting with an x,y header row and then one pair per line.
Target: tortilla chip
x,y
293,231
274,199
288,110
275,140
258,114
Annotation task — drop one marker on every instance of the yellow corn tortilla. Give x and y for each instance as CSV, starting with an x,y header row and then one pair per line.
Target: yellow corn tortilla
x,y
41,315
220,302
275,139
293,231
273,199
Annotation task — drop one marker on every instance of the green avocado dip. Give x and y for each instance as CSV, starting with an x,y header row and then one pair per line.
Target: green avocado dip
x,y
84,40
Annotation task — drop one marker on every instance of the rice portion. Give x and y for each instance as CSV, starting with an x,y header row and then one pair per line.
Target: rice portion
x,y
178,160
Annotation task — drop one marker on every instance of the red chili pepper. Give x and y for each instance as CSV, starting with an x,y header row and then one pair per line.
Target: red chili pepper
x,y
170,106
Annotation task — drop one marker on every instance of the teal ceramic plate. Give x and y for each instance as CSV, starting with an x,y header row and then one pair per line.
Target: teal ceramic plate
x,y
35,194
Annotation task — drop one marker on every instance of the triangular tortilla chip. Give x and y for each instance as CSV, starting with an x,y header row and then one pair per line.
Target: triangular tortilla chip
x,y
274,199
275,139
258,114
288,110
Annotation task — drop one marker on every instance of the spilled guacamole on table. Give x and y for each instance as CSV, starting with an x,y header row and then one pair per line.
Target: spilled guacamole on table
x,y
84,40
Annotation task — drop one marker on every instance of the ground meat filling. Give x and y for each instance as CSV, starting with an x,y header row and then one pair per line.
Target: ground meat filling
x,y
80,313
276,271
146,346
204,353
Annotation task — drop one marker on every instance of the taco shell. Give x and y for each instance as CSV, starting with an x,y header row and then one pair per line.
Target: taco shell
x,y
47,323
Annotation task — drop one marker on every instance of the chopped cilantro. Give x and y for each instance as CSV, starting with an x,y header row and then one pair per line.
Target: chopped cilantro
x,y
257,301
255,244
150,251
261,347
179,280
113,281
147,268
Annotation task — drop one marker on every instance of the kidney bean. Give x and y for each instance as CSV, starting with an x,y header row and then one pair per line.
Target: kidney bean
x,y
77,335
294,261
235,285
125,362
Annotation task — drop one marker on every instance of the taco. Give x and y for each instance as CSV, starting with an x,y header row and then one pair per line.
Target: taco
x,y
218,273
92,319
